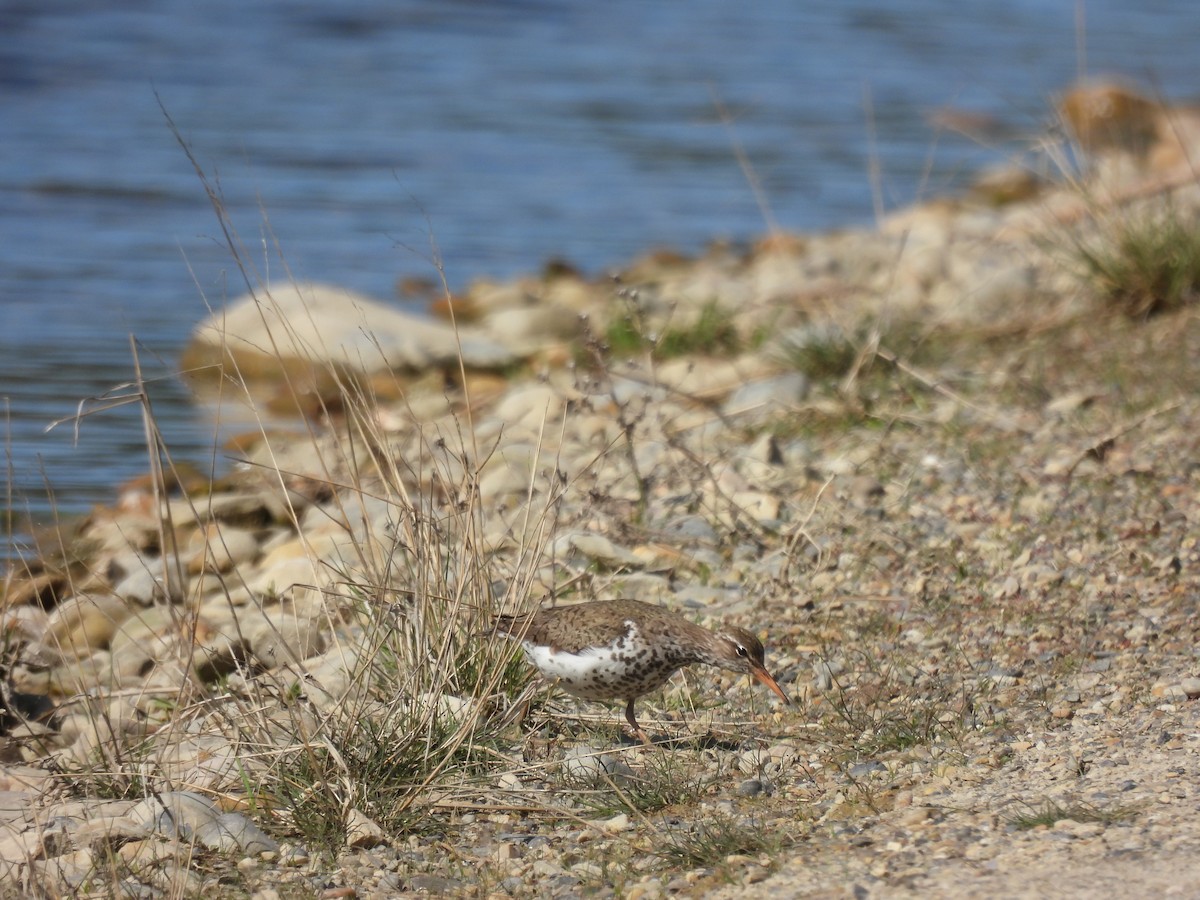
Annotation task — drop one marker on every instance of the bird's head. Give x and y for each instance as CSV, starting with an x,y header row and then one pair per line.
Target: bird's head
x,y
740,651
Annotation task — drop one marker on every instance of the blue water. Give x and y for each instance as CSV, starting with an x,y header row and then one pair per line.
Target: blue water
x,y
350,133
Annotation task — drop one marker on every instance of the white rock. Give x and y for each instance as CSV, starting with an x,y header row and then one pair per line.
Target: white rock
x,y
217,548
328,324
185,808
761,399
530,408
234,833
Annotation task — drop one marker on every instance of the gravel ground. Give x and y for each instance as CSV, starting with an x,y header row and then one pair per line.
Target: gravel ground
x,y
956,496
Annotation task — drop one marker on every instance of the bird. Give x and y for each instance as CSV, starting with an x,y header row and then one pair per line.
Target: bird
x,y
623,649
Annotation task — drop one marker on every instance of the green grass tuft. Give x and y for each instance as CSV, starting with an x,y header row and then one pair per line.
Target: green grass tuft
x,y
1050,811
712,333
708,842
1144,263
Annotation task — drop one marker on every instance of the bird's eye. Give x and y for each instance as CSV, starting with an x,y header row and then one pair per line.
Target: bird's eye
x,y
742,651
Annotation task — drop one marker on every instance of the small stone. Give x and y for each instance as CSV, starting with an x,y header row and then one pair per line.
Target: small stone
x,y
509,781
294,857
434,884
645,890
584,764
864,491
362,831
916,815
616,824
823,675
862,769
1190,687
759,400
1168,692
1080,830
508,851
755,873
751,787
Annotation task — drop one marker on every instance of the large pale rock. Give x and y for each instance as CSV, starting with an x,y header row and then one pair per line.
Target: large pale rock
x,y
759,400
278,637
712,379
529,328
206,762
173,812
234,833
291,327
531,407
218,549
85,623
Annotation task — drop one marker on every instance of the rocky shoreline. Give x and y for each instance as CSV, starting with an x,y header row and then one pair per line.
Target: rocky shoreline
x,y
955,493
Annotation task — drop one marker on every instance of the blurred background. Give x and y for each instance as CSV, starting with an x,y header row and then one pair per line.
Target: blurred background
x,y
352,132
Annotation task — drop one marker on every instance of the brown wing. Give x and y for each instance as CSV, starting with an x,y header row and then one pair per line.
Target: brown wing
x,y
582,625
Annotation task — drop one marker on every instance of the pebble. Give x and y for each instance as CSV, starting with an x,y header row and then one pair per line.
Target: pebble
x,y
586,764
751,787
294,856
362,831
616,824
1079,830
769,397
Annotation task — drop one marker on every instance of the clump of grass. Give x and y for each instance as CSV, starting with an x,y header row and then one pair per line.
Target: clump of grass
x,y
1050,811
1142,263
424,706
713,333
823,351
623,337
886,711
666,780
709,841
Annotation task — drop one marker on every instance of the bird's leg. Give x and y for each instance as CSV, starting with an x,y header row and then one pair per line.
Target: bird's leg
x,y
637,729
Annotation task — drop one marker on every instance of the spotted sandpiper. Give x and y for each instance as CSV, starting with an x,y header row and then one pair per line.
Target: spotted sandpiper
x,y
626,648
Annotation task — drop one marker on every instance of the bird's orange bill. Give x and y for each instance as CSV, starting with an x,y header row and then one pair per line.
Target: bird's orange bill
x,y
765,677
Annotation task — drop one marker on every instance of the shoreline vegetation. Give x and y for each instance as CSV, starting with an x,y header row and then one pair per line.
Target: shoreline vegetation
x,y
947,468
